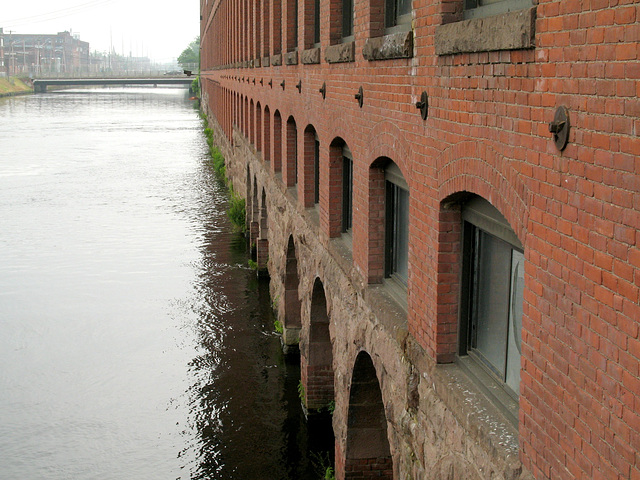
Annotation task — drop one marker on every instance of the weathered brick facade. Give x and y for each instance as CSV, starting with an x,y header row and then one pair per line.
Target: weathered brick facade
x,y
409,397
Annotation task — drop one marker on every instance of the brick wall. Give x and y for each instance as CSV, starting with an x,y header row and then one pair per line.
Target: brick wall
x,y
575,211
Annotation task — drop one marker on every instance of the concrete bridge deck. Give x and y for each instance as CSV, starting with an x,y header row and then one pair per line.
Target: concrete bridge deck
x,y
40,84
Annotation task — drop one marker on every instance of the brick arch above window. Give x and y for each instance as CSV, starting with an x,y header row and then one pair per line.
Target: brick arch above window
x,y
477,168
339,128
387,140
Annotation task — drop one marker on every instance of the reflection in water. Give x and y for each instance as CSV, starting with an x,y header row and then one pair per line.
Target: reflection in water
x,y
134,342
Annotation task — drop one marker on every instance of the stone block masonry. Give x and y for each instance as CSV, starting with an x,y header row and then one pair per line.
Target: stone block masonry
x,y
465,292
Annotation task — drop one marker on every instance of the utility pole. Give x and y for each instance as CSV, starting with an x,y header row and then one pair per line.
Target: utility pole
x,y
13,58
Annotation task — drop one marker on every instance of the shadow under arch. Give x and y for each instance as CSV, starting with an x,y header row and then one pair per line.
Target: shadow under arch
x,y
317,353
367,451
254,220
263,235
292,323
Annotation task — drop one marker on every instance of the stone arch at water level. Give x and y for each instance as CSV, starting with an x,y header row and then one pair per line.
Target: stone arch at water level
x,y
316,357
254,222
367,453
291,320
262,246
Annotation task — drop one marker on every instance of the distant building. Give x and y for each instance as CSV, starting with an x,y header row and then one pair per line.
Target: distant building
x,y
41,53
3,71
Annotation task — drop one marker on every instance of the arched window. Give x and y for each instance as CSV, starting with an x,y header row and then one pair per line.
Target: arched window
x,y
492,294
396,225
291,172
316,170
311,167
347,190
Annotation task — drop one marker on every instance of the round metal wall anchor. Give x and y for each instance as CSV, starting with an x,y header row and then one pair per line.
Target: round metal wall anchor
x,y
299,86
423,105
323,90
282,84
271,83
359,97
560,128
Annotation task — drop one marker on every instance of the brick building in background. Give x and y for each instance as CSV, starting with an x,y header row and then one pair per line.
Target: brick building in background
x,y
446,195
26,54
3,70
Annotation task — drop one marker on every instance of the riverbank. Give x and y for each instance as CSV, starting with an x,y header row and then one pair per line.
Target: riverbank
x,y
14,86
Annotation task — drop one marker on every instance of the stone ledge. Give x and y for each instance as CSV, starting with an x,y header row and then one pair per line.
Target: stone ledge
x,y
387,47
507,31
276,60
291,58
481,420
265,61
311,56
340,53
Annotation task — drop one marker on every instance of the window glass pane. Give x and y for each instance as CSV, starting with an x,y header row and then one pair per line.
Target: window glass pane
x,y
404,7
316,172
295,23
316,22
295,155
491,300
515,321
401,234
347,193
389,13
347,18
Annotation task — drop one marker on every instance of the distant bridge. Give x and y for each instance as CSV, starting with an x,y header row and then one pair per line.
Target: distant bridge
x,y
40,84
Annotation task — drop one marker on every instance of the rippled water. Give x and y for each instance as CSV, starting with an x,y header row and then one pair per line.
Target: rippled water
x,y
134,342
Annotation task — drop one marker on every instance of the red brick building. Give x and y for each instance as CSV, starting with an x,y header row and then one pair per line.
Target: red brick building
x,y
3,70
26,54
446,195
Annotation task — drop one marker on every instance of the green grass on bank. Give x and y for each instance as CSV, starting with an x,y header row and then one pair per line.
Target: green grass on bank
x,y
13,85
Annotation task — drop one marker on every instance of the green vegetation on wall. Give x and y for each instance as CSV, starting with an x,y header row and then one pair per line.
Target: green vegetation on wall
x,y
237,210
195,86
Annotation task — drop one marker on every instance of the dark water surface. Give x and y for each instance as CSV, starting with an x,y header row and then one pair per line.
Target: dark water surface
x,y
134,341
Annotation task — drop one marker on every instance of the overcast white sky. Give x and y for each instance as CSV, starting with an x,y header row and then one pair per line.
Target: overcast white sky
x,y
157,29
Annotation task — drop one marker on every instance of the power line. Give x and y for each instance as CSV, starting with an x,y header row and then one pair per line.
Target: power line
x,y
55,14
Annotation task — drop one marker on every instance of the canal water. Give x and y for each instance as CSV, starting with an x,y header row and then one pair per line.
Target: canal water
x,y
134,340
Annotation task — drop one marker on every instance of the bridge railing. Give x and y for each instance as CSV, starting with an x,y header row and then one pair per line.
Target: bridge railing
x,y
120,73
